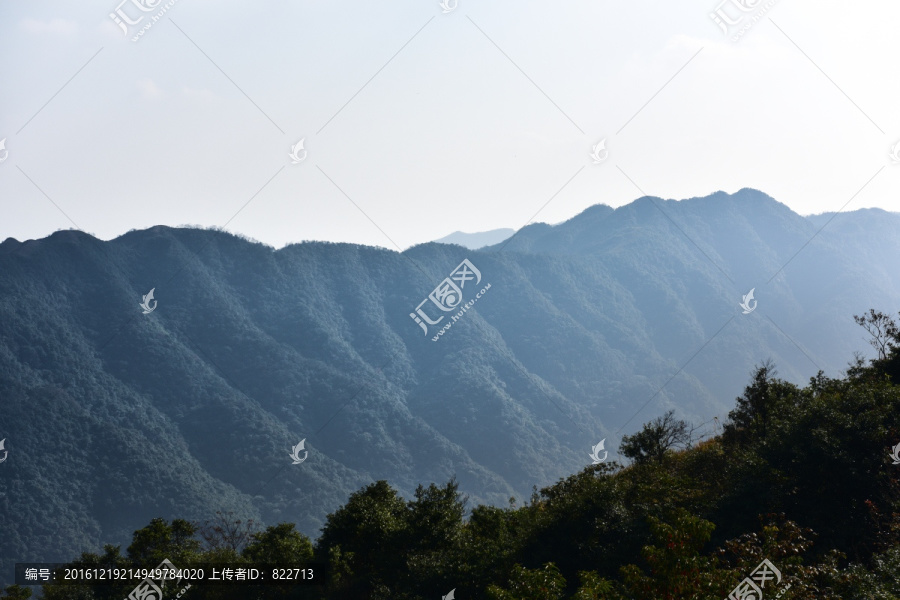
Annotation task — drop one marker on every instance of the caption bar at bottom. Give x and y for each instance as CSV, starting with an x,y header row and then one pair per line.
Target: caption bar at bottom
x,y
211,574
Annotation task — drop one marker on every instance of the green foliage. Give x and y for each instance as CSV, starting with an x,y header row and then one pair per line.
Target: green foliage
x,y
576,521
545,583
435,516
185,412
358,539
279,544
885,338
16,592
765,399
594,587
801,477
676,568
282,545
880,583
161,540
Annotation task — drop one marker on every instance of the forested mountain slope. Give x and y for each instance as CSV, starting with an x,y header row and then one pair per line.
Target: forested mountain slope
x,y
113,417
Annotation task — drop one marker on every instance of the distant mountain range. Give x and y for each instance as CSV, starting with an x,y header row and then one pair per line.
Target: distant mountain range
x,y
571,334
474,241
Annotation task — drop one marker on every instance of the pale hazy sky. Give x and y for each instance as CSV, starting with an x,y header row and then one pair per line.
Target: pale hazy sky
x,y
431,122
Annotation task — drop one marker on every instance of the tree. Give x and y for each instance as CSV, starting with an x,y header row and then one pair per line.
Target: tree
x,y
435,516
279,544
656,438
16,592
546,583
820,455
763,400
884,331
161,540
433,537
676,568
362,540
594,587
282,545
886,341
226,532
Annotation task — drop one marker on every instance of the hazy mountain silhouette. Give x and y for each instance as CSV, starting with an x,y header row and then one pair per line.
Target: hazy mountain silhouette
x,y
589,328
474,241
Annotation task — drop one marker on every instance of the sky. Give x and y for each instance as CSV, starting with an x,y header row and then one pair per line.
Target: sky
x,y
418,120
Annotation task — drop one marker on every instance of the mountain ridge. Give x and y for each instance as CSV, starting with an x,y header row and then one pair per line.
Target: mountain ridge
x,y
590,328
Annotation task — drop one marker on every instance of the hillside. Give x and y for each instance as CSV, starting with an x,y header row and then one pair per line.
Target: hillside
x,y
113,417
797,498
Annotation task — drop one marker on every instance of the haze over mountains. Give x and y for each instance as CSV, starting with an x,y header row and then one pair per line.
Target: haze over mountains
x,y
589,328
474,241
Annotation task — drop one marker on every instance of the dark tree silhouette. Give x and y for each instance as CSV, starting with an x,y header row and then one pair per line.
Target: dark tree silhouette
x,y
656,438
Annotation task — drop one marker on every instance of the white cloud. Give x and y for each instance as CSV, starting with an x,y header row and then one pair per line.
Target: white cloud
x,y
111,31
199,95
148,88
55,26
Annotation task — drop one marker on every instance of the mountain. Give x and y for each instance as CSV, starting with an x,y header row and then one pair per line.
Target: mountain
x,y
474,241
572,333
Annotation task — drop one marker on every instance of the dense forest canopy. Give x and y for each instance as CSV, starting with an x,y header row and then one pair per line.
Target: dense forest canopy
x,y
800,494
118,409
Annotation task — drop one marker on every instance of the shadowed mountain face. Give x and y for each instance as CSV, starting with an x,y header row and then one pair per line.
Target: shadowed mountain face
x,y
587,330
